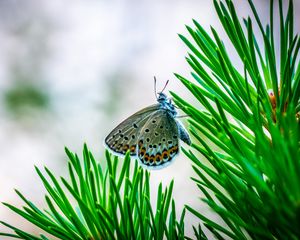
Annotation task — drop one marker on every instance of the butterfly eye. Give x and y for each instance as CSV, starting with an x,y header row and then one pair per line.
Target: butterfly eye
x,y
147,130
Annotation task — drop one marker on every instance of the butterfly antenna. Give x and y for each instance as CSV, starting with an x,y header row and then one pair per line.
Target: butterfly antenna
x,y
155,87
165,86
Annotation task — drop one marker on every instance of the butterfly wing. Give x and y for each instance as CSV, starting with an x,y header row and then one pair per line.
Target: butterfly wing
x,y
124,137
158,142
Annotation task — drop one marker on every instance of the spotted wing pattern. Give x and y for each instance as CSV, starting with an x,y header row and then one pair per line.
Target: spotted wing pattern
x,y
158,142
125,136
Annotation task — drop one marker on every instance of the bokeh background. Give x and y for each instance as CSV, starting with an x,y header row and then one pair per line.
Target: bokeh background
x,y
70,71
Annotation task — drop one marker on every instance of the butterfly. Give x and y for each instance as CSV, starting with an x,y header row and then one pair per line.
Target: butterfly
x,y
151,135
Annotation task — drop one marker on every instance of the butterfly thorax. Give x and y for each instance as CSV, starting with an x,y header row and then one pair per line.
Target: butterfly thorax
x,y
166,104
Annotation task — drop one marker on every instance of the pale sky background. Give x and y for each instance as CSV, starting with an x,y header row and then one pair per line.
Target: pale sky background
x,y
95,60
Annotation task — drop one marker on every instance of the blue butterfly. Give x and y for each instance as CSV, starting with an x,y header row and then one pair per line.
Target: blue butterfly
x,y
151,134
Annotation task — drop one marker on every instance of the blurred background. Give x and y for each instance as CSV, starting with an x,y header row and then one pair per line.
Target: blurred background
x,y
71,71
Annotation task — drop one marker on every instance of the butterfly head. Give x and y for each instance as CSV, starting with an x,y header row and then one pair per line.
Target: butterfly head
x,y
166,103
162,97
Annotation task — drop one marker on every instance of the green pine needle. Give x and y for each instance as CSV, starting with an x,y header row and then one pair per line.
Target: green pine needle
x,y
253,182
110,203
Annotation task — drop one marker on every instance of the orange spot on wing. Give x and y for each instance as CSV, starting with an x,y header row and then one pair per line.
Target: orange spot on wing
x,y
142,151
152,159
126,147
174,150
165,154
140,143
132,149
158,157
146,158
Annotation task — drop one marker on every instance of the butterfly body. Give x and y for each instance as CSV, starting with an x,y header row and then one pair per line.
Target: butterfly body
x,y
151,135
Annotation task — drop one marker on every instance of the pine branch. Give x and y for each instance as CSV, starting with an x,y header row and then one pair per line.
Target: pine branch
x,y
97,203
253,119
